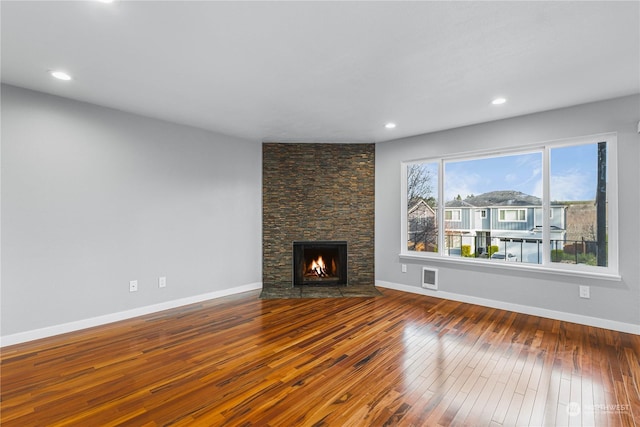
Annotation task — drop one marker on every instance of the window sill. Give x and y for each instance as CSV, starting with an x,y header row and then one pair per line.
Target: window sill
x,y
513,266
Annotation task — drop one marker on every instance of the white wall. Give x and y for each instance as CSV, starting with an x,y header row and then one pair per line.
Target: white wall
x,y
93,197
610,300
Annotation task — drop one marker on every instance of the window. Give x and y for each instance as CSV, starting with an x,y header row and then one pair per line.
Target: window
x,y
494,183
512,215
452,214
422,206
552,204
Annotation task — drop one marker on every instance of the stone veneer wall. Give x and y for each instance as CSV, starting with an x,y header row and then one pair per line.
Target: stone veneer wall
x,y
317,192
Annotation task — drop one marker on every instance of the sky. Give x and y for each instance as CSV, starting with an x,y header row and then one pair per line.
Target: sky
x,y
573,174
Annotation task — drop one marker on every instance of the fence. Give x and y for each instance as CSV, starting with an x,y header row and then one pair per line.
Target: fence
x,y
522,249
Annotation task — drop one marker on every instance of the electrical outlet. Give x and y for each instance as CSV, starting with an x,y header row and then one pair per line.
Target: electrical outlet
x,y
133,286
584,292
162,282
404,268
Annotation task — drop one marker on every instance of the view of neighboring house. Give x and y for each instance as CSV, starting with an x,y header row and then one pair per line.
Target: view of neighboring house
x,y
422,226
507,222
510,220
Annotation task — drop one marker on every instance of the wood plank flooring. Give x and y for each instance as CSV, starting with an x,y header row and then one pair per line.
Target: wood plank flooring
x,y
401,359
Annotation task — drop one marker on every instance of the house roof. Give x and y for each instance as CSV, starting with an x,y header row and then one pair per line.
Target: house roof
x,y
458,204
497,198
416,203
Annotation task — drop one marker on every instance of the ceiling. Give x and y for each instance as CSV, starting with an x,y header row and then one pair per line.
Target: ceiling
x,y
325,71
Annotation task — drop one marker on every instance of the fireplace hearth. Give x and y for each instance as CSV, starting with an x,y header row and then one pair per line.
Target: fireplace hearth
x,y
320,263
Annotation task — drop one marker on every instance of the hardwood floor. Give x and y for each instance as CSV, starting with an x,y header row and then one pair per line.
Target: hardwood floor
x,y
401,359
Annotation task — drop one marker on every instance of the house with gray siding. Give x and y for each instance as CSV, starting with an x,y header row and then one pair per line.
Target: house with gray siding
x,y
508,219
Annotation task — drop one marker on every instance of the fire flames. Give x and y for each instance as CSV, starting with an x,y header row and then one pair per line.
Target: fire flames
x,y
318,268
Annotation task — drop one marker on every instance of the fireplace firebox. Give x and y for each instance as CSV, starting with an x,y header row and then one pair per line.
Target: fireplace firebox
x,y
319,263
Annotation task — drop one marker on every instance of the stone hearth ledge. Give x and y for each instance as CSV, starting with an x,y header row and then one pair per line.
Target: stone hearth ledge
x,y
357,291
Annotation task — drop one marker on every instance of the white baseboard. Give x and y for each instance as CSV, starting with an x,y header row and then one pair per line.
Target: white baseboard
x,y
50,331
524,309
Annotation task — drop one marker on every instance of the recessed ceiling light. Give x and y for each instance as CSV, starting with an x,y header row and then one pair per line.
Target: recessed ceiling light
x,y
61,75
390,125
498,101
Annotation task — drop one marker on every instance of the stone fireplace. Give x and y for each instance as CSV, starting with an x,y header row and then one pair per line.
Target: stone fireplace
x,y
314,195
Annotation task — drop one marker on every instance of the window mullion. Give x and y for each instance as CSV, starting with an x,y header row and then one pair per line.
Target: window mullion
x,y
404,207
546,207
441,219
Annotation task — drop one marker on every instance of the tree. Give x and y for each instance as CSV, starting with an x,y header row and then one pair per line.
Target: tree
x,y
418,183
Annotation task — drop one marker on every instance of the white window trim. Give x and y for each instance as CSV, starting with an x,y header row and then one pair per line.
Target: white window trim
x,y
611,272
513,209
457,211
429,258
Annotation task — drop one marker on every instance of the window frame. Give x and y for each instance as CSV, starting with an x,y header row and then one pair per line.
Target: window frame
x,y
452,211
517,210
609,272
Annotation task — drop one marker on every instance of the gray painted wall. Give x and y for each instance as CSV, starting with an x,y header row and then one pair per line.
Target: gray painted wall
x,y
93,197
617,301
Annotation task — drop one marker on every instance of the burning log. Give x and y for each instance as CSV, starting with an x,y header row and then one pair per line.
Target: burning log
x,y
318,268
320,272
